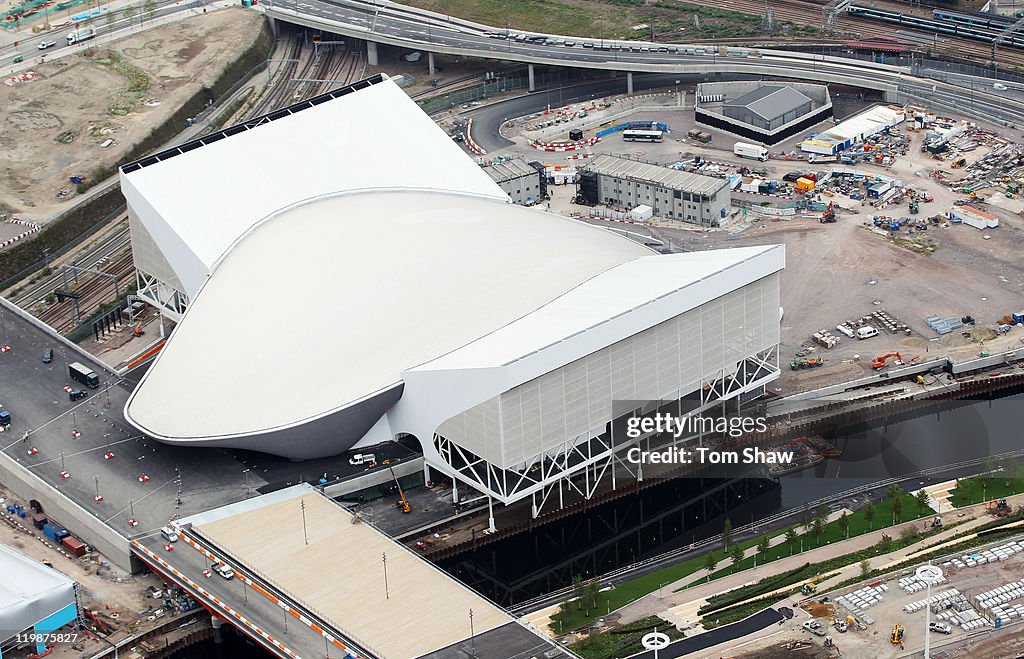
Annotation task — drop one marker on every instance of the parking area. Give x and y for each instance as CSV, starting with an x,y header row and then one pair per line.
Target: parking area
x,y
86,449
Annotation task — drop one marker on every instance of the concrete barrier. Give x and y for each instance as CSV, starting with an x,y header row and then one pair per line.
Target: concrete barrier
x,y
376,477
67,513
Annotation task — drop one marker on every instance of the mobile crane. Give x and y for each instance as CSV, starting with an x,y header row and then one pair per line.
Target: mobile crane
x,y
402,503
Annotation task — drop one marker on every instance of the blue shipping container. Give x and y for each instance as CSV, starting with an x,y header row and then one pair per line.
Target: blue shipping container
x,y
50,531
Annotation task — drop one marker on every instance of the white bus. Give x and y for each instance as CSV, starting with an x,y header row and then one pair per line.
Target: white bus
x,y
642,136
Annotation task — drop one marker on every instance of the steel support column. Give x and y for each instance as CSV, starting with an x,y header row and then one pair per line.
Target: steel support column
x,y
529,69
371,53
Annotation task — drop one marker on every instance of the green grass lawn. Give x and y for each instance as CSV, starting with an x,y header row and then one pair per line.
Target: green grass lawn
x,y
634,589
971,491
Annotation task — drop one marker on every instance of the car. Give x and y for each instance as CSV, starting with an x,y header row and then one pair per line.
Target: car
x,y
224,571
792,177
48,355
940,627
570,43
815,627
43,45
998,86
77,394
169,534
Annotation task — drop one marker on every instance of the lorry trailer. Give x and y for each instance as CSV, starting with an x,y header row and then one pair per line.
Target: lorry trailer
x,y
745,150
84,374
81,35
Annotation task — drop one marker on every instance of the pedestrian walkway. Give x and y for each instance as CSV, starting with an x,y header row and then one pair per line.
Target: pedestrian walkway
x,y
939,496
685,616
657,604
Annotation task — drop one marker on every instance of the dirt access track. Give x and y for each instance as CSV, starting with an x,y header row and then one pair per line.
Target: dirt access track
x,y
52,127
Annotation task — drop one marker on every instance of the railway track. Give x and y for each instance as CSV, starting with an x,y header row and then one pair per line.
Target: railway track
x,y
94,257
93,291
803,12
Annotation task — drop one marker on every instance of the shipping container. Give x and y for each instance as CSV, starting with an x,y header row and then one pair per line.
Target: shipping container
x,y
39,520
74,545
50,531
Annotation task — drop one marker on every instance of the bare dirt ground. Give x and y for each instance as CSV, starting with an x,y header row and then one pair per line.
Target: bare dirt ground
x,y
843,271
114,591
52,127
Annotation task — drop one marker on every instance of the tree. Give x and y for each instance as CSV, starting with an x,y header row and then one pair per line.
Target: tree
x,y
593,592
736,554
563,613
791,538
893,492
910,534
923,500
149,8
897,507
821,512
844,524
763,545
885,544
128,12
710,563
805,516
865,568
727,533
578,591
817,529
869,515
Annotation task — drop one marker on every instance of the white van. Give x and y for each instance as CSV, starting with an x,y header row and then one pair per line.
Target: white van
x,y
224,571
168,534
866,332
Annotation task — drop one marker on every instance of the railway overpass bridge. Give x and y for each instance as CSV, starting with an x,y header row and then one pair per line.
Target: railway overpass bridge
x,y
312,580
407,27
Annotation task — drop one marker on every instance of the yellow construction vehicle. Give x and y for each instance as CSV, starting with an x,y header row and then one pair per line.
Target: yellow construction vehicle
x,y
896,637
402,503
808,589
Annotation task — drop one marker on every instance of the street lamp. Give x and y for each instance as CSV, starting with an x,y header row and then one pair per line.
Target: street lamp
x,y
929,574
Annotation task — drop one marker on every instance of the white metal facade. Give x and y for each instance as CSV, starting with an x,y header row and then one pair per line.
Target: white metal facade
x,y
665,362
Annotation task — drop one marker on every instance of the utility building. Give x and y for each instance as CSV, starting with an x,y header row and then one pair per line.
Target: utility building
x,y
693,198
510,343
524,182
767,114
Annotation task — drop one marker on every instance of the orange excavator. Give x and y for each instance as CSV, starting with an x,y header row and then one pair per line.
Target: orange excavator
x,y
882,360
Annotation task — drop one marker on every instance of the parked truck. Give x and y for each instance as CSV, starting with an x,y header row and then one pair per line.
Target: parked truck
x,y
84,374
819,157
81,35
755,151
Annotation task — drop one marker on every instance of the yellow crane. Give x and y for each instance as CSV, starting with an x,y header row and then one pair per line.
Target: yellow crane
x,y
402,503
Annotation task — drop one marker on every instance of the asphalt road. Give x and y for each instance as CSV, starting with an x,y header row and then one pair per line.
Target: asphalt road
x,y
33,392
243,599
444,34
685,646
487,119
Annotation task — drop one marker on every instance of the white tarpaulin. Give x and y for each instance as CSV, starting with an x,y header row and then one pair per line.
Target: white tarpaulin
x,y
29,592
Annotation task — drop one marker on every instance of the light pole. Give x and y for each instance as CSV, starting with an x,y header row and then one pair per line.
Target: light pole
x,y
384,560
929,574
302,507
247,489
472,635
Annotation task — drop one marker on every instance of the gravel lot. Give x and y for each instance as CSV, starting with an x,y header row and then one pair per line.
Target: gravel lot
x,y
52,127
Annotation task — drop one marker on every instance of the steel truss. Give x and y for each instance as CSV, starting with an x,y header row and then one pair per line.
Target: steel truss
x,y
169,300
579,465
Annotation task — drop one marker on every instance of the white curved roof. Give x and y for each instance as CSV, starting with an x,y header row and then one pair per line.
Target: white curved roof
x,y
329,301
196,205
